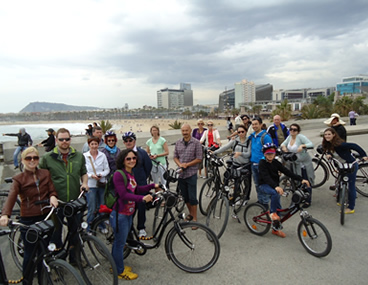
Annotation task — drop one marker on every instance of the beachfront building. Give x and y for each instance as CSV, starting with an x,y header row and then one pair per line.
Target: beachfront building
x,y
226,100
175,98
245,93
353,85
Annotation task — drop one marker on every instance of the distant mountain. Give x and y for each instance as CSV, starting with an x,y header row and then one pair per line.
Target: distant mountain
x,y
43,107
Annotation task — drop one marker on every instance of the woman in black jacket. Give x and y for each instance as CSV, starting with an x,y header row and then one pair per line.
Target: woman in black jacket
x,y
49,143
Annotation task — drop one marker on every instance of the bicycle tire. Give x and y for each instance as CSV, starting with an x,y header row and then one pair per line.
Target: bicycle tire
x,y
61,272
108,237
16,247
158,216
16,208
361,182
289,187
218,215
312,231
242,195
343,197
256,219
321,173
206,194
96,263
192,250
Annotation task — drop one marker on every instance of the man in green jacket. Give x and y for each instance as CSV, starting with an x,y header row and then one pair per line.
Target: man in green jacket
x,y
69,175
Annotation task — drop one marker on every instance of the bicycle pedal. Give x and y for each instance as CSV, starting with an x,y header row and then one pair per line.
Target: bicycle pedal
x,y
235,216
146,238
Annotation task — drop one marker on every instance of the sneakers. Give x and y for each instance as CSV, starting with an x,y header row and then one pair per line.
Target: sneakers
x,y
279,233
245,202
332,187
127,275
274,217
16,167
104,231
348,211
141,233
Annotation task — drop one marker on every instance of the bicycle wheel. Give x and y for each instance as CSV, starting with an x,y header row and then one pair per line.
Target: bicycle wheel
x,y
314,237
289,187
208,191
243,191
343,201
193,248
102,229
218,215
361,182
3,198
61,272
256,219
158,216
96,263
16,247
320,171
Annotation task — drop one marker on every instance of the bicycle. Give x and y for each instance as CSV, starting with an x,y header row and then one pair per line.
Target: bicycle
x,y
54,270
312,234
4,196
191,246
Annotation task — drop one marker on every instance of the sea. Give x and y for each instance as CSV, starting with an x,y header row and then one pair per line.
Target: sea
x,y
38,131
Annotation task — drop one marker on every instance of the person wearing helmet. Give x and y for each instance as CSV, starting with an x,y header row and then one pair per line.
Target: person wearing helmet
x,y
111,150
96,132
49,143
141,172
269,181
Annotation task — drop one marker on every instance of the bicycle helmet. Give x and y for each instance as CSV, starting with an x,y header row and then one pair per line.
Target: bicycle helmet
x,y
129,135
269,147
110,134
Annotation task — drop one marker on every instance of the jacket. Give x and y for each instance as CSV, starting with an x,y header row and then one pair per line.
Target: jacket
x,y
272,130
143,167
23,140
29,192
49,143
237,146
101,166
216,137
66,177
111,159
256,153
341,131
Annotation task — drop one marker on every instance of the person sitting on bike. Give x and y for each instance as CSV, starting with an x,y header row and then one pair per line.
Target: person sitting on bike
x,y
269,169
31,185
122,215
335,146
241,154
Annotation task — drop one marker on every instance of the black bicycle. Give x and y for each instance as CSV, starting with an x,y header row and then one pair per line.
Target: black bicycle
x,y
191,246
4,196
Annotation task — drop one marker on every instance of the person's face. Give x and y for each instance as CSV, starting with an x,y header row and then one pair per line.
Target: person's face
x,y
154,132
334,121
245,120
31,161
186,131
210,125
63,141
130,160
200,125
242,133
270,156
93,145
256,125
98,133
277,120
111,142
328,135
129,143
293,130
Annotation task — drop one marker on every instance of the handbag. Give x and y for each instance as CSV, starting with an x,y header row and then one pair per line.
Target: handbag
x,y
99,183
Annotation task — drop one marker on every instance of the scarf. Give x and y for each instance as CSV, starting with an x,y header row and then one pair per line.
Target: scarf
x,y
111,150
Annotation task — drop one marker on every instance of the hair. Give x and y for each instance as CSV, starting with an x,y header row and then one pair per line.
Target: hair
x,y
210,122
93,139
336,140
264,126
257,119
95,124
242,127
297,126
120,160
200,121
155,127
29,150
97,128
228,118
62,130
244,116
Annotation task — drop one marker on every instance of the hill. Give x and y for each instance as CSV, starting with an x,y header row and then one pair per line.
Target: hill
x,y
43,107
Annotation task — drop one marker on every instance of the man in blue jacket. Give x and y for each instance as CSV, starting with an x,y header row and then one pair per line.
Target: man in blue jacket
x,y
278,131
141,173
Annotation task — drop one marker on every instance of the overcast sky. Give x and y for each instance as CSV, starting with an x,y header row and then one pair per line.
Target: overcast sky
x,y
106,53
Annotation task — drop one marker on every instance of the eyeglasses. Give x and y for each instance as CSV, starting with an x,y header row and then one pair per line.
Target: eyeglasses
x,y
200,124
293,130
241,132
131,158
29,158
245,118
110,140
210,125
62,140
128,140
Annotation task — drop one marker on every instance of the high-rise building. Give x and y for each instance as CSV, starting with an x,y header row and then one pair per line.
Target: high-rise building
x,y
175,98
227,100
245,92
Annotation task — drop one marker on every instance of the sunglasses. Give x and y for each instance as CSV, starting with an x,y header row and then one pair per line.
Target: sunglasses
x,y
129,140
200,124
294,130
241,132
210,125
29,158
110,140
66,140
131,158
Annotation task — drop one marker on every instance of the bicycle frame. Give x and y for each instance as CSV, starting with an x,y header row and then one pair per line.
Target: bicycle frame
x,y
331,167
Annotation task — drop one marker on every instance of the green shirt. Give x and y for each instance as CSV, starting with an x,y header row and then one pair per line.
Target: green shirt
x,y
157,148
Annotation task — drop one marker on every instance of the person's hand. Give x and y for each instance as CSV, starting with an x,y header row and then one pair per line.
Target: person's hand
x,y
54,202
84,187
184,165
147,198
236,154
365,158
304,181
300,148
279,190
97,177
284,148
40,144
4,220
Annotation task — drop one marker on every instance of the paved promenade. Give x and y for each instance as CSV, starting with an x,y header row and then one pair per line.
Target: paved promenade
x,y
249,259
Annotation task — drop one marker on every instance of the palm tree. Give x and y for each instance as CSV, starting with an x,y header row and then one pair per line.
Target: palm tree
x,y
105,126
343,105
283,110
310,111
176,125
257,109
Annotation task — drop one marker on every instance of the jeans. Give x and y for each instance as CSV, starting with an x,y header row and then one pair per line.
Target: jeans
x,y
267,190
262,198
16,153
124,224
95,198
352,190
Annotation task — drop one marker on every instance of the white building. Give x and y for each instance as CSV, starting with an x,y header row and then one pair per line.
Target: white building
x,y
245,93
175,98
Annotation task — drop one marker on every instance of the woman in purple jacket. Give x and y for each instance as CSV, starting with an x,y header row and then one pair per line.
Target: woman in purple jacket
x,y
111,151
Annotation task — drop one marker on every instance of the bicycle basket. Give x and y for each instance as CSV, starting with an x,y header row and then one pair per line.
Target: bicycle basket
x,y
73,207
40,229
170,199
346,167
171,175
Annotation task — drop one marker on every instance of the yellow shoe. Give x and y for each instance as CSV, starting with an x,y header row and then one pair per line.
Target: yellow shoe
x,y
127,269
338,204
127,275
348,211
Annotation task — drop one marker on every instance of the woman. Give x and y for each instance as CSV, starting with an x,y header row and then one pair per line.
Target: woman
x,y
335,146
121,216
49,143
229,125
337,124
297,143
97,170
197,133
111,150
158,150
31,185
241,151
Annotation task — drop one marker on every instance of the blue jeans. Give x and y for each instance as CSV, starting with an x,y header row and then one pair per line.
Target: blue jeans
x,y
262,198
16,153
95,198
188,187
352,190
267,190
124,225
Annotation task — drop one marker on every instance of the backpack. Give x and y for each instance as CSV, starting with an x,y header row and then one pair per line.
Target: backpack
x,y
110,195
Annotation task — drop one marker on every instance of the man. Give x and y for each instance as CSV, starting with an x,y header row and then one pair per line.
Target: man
x,y
278,131
141,173
336,123
187,154
352,116
258,138
247,123
238,121
68,170
24,141
96,132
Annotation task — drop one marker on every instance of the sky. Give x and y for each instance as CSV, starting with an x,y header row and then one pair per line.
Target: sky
x,y
106,53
